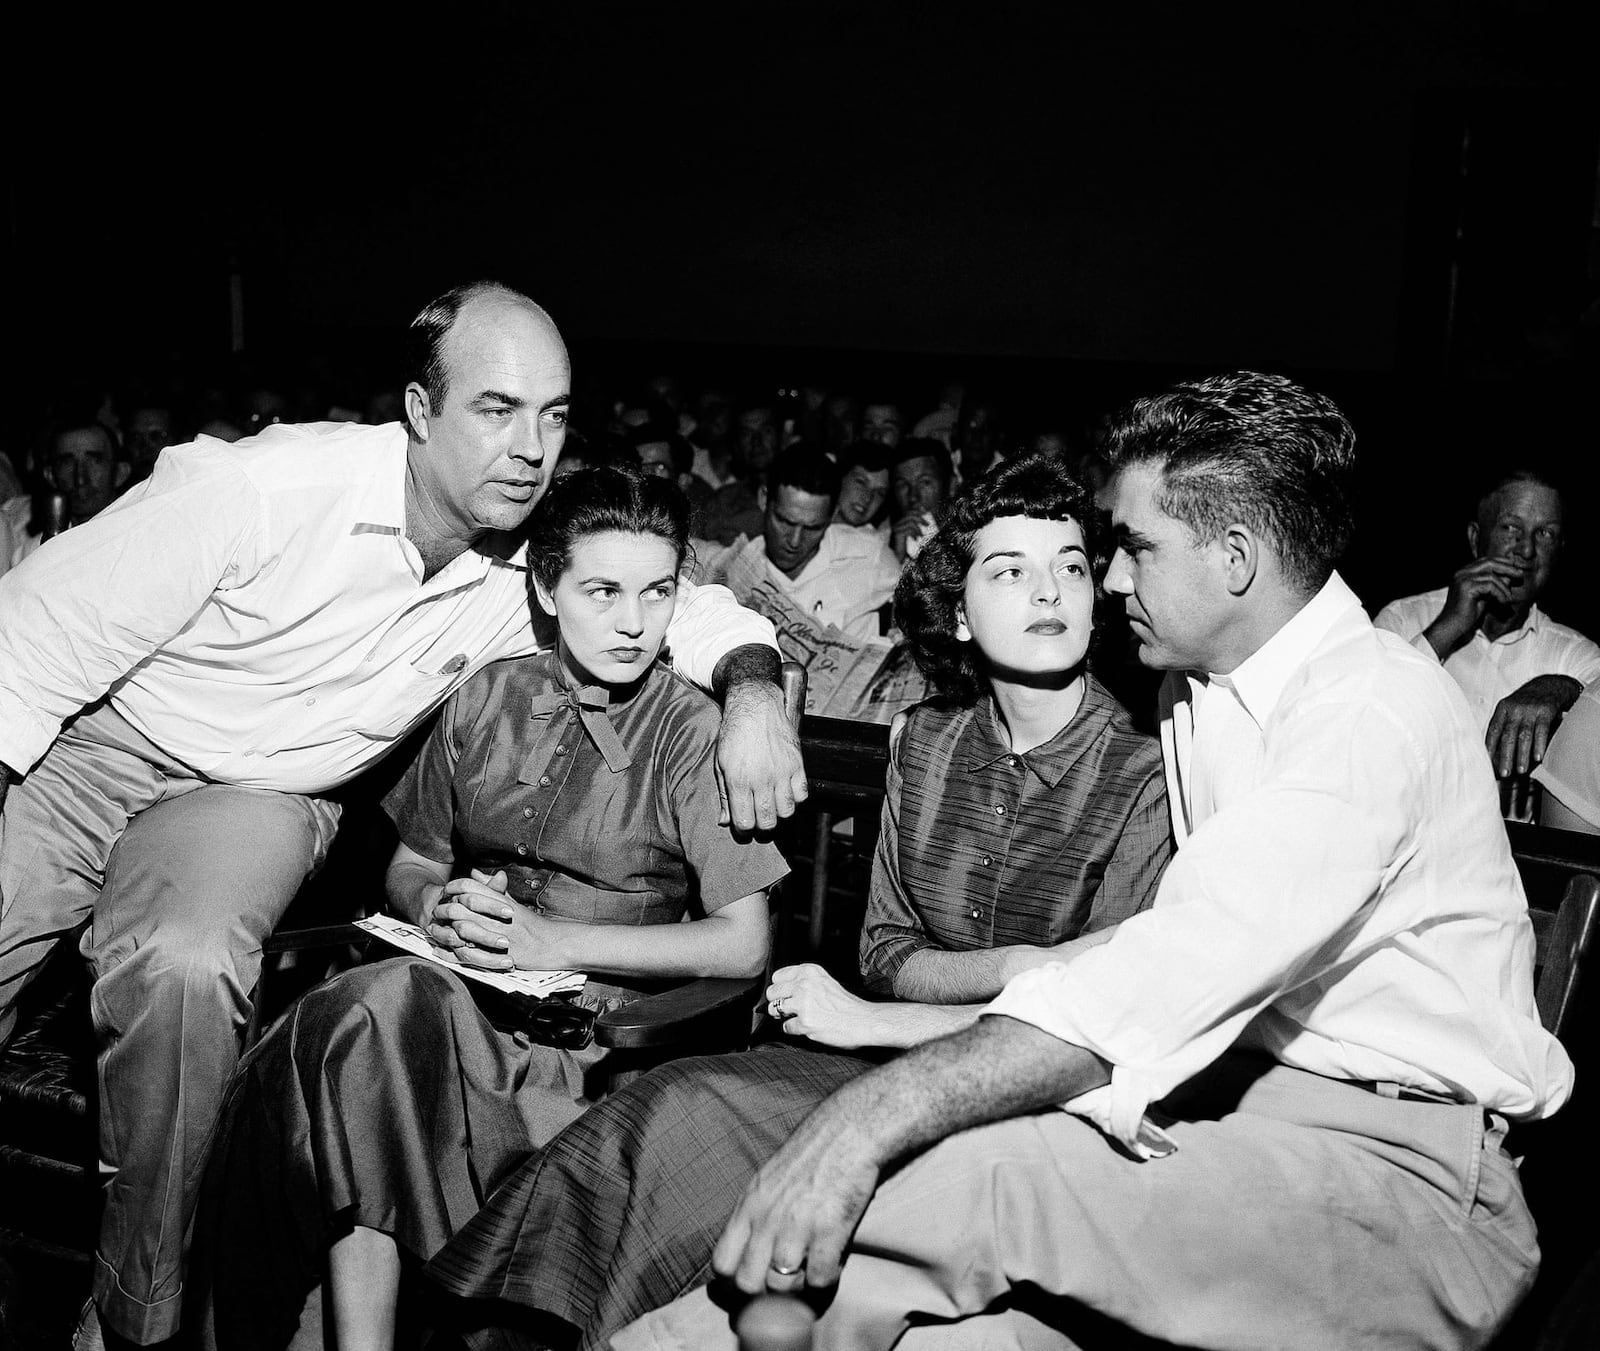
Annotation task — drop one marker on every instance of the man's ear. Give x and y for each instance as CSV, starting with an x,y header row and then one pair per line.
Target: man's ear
x,y
1472,539
546,600
417,411
1241,557
121,476
761,496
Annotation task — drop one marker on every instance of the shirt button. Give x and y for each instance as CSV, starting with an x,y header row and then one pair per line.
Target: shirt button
x,y
522,849
561,750
311,700
536,884
527,812
544,781
986,860
977,914
1012,761
456,663
999,809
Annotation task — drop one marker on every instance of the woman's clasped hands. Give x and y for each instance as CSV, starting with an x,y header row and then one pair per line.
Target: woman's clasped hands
x,y
475,920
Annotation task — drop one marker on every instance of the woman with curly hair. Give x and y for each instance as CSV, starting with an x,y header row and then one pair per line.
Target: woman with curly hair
x,y
1024,817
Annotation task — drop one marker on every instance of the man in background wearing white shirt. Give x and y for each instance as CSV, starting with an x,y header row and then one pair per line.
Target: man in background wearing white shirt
x,y
1287,1084
1519,669
831,573
184,678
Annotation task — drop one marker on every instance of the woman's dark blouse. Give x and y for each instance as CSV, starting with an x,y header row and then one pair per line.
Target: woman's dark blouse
x,y
610,823
981,847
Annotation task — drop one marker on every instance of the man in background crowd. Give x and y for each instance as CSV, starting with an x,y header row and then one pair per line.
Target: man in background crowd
x,y
1520,670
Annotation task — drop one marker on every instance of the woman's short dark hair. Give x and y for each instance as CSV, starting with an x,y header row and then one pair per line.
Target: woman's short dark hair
x,y
593,501
933,585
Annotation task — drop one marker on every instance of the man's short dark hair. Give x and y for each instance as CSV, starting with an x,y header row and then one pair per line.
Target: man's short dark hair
x,y
924,448
806,468
425,363
873,456
1252,448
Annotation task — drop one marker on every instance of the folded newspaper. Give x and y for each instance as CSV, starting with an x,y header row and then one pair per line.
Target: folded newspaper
x,y
862,679
413,940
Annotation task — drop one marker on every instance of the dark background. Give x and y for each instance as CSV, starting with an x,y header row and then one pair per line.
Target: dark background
x,y
1392,202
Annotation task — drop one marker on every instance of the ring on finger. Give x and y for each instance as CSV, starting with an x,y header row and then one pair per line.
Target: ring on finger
x,y
780,1269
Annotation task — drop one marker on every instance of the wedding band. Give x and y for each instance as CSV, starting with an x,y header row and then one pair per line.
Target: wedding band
x,y
786,1271
777,1008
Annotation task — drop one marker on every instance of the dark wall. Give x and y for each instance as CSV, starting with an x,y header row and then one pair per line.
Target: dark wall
x,y
1151,183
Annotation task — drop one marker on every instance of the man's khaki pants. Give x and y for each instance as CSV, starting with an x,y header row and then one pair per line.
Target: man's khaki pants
x,y
181,881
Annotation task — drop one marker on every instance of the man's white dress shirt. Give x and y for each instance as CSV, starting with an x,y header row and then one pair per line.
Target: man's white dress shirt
x,y
1343,895
1488,671
256,611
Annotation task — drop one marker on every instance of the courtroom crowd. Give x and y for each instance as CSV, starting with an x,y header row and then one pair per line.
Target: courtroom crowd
x,y
1179,834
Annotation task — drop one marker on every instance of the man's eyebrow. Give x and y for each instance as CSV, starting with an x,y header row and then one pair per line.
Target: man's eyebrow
x,y
1127,537
496,396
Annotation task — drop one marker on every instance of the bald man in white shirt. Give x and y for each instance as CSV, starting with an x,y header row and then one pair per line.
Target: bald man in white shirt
x,y
1270,1110
185,677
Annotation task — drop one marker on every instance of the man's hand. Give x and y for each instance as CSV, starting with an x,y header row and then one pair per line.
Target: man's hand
x,y
760,776
813,1004
909,531
1522,723
798,1214
1482,583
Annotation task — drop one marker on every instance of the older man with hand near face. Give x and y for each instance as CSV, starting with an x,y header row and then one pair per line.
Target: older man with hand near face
x,y
184,678
1520,670
1270,1110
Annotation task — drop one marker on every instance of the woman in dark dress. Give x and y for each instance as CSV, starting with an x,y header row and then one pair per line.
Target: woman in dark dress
x,y
563,815
1023,819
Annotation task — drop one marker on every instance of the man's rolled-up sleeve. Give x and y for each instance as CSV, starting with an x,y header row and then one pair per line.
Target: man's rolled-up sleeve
x,y
707,624
81,612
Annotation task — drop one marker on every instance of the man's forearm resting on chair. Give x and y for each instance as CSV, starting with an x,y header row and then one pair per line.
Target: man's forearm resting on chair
x,y
804,1204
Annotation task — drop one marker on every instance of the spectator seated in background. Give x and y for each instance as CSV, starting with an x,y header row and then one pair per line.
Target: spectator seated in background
x,y
82,465
735,508
831,574
864,488
1570,770
1519,669
665,454
883,423
920,478
1023,820
146,432
1289,1079
385,1108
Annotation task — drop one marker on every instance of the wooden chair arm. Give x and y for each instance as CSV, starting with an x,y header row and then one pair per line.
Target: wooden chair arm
x,y
714,1010
320,936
